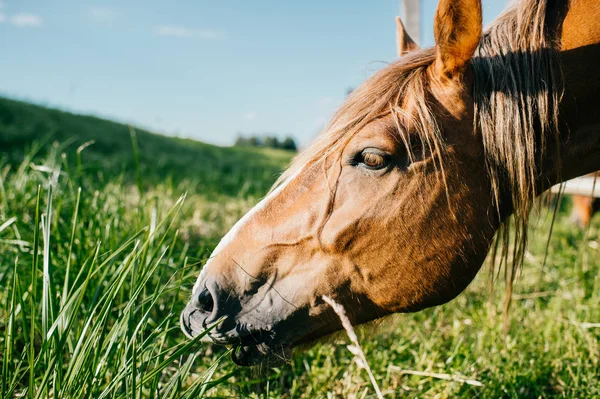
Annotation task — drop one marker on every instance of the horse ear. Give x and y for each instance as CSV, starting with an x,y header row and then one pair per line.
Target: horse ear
x,y
457,30
404,42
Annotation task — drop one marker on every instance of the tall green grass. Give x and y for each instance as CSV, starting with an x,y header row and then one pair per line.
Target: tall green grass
x,y
91,294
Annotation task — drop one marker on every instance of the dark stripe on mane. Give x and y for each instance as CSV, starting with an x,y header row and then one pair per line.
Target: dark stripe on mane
x,y
516,110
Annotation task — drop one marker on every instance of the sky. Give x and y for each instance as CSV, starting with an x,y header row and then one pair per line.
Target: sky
x,y
203,69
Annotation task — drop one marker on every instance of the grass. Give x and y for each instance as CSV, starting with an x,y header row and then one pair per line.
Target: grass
x,y
99,248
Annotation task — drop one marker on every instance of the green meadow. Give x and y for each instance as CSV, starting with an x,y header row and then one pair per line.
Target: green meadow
x,y
104,228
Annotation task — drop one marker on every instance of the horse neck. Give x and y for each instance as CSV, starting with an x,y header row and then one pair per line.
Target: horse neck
x,y
579,109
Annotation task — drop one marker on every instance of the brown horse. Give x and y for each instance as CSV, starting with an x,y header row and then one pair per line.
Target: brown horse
x,y
583,210
584,206
395,207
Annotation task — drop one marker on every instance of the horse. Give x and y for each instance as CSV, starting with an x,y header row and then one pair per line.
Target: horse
x,y
395,206
585,206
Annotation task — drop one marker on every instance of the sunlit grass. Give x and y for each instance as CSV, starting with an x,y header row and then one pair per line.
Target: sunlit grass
x,y
93,275
91,289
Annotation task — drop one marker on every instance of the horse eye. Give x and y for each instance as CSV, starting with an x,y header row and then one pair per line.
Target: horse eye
x,y
373,160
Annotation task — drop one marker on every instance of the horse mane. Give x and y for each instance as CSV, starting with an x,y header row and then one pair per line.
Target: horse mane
x,y
516,98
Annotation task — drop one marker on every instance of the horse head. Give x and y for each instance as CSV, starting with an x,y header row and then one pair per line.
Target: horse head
x,y
391,210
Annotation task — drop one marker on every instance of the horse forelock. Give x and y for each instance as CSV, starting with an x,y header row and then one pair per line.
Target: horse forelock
x,y
380,95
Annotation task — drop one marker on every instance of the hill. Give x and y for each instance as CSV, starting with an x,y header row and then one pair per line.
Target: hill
x,y
27,129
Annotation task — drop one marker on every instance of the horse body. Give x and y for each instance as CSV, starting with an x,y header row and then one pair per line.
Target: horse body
x,y
580,140
395,207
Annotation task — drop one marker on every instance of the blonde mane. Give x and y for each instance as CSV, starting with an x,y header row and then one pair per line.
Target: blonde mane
x,y
379,96
516,98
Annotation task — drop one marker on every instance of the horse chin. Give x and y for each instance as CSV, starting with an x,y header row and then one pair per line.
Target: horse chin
x,y
254,355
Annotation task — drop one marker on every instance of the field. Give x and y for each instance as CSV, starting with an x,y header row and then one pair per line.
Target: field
x,y
103,230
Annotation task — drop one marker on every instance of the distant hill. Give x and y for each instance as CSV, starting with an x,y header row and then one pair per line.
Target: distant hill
x,y
199,167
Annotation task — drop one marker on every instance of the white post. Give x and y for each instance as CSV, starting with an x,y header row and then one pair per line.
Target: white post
x,y
411,17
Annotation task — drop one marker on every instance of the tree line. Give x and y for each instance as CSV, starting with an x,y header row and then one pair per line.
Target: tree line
x,y
268,141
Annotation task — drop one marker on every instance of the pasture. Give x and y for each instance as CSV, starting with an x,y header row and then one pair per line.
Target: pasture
x,y
103,230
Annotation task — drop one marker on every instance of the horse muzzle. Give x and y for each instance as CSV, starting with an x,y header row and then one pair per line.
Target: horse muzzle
x,y
255,328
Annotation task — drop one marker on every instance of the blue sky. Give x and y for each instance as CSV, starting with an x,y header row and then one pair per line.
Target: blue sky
x,y
203,69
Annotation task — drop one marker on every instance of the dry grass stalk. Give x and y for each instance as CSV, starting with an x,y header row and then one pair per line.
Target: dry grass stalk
x,y
585,325
354,348
439,376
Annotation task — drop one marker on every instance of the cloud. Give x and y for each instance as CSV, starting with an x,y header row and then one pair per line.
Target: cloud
x,y
24,20
184,32
250,116
103,13
2,18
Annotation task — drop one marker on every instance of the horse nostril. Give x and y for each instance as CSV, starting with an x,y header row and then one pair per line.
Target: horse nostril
x,y
205,301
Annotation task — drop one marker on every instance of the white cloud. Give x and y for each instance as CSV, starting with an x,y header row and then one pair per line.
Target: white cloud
x,y
184,32
104,13
250,116
2,18
25,20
